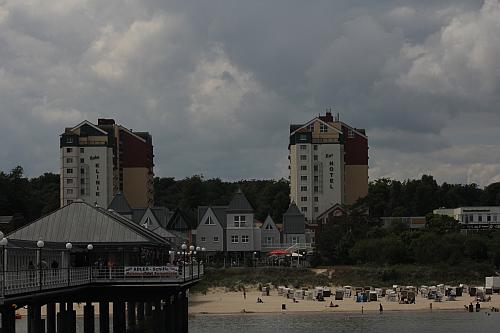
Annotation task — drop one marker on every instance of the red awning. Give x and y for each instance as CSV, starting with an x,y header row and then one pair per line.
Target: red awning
x,y
278,252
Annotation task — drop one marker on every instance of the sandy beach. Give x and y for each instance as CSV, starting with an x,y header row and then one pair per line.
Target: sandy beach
x,y
221,302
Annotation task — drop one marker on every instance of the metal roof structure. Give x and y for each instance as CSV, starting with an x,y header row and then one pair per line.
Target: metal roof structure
x,y
239,203
294,221
80,222
120,204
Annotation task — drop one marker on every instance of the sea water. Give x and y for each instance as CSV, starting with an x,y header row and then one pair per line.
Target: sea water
x,y
407,322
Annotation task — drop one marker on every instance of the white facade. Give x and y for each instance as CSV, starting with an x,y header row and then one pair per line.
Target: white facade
x,y
87,174
316,176
472,215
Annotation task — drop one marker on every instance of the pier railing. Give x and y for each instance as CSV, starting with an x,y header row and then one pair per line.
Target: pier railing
x,y
39,280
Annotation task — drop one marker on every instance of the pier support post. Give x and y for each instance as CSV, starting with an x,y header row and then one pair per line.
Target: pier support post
x,y
70,318
119,324
37,323
131,313
61,318
183,311
169,315
88,318
148,311
8,319
158,318
140,311
51,318
103,317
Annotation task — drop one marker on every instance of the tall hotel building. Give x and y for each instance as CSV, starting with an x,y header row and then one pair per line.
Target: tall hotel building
x,y
98,161
328,164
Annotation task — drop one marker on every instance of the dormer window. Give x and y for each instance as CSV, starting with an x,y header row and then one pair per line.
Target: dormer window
x,y
269,227
209,221
311,127
350,133
323,128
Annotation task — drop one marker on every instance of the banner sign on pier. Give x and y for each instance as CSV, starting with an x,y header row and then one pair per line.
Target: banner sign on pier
x,y
146,271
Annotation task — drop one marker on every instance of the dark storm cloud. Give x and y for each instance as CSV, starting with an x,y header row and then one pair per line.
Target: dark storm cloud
x,y
218,82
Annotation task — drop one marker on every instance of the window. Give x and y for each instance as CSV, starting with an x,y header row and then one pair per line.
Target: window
x,y
316,168
323,128
216,238
302,137
82,150
303,188
311,127
316,179
69,150
269,227
315,147
488,218
69,191
316,189
303,157
269,240
69,140
234,239
82,160
69,160
295,239
82,181
316,199
315,157
209,221
350,133
69,181
203,239
495,218
82,170
303,199
244,239
303,147
303,167
479,218
96,194
69,170
98,182
303,178
239,221
303,209
97,165
316,209
82,191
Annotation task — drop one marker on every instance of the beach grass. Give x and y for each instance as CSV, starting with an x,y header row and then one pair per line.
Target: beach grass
x,y
234,279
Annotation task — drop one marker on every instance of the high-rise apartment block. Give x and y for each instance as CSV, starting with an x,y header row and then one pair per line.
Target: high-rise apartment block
x,y
98,161
328,164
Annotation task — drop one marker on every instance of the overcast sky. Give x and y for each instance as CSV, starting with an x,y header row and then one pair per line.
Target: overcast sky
x,y
217,83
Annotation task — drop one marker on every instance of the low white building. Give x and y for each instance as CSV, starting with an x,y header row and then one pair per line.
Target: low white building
x,y
482,217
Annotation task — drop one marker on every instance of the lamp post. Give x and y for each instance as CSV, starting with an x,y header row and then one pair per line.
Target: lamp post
x,y
184,247
197,253
3,243
40,244
191,250
204,257
69,246
254,254
90,247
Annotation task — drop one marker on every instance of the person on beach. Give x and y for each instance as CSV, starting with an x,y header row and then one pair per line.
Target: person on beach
x,y
478,306
244,293
380,308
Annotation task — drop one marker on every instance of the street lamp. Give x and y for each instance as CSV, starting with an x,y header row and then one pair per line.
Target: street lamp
x,y
69,246
254,259
184,247
3,243
191,250
39,244
197,253
90,247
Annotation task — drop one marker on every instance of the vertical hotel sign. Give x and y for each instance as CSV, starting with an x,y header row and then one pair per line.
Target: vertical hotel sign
x,y
329,159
